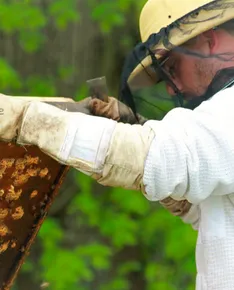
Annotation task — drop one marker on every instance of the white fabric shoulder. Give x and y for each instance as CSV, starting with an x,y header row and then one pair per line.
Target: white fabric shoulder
x,y
192,154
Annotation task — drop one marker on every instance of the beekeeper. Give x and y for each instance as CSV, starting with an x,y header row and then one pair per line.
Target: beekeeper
x,y
171,136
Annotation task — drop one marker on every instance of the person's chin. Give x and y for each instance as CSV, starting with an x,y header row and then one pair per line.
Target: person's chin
x,y
190,97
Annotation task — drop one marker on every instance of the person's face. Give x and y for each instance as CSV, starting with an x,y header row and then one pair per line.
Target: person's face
x,y
191,74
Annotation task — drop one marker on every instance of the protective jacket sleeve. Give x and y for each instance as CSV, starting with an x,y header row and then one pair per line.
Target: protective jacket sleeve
x,y
188,155
192,154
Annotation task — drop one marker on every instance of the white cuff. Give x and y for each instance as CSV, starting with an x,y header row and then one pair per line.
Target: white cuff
x,y
92,141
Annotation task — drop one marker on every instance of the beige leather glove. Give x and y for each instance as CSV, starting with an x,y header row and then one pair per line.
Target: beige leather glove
x,y
115,110
12,110
177,208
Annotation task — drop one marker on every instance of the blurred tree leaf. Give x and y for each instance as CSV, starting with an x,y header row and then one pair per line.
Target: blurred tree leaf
x,y
17,16
40,86
107,15
64,12
117,284
120,228
9,78
51,233
129,201
98,254
65,72
31,41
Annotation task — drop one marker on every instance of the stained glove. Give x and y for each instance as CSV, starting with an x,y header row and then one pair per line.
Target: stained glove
x,y
115,110
177,208
12,110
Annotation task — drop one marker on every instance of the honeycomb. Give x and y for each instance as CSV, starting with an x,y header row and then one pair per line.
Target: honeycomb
x,y
34,194
3,213
13,244
2,192
3,230
13,194
4,165
25,168
18,213
43,172
4,247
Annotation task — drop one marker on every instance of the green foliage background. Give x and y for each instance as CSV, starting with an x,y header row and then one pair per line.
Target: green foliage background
x,y
94,238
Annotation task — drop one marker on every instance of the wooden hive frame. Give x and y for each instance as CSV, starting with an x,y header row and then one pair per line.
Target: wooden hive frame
x,y
29,183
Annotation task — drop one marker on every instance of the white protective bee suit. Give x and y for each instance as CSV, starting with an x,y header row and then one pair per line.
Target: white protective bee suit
x,y
188,155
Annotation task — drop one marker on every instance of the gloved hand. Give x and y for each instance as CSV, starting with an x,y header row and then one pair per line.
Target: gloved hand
x,y
177,208
115,110
12,110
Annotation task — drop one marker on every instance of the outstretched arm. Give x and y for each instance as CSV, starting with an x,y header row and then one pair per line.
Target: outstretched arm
x,y
188,155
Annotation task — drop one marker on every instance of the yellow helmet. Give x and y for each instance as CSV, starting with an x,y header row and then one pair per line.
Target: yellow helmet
x,y
192,16
164,25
